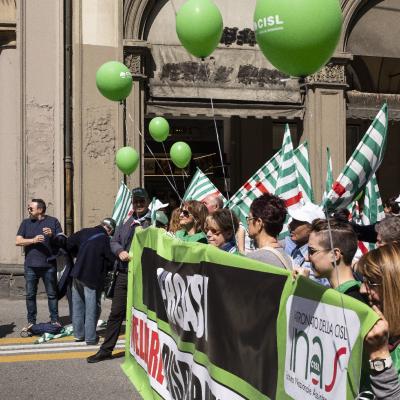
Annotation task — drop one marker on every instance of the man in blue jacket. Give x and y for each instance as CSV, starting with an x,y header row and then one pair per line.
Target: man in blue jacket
x,y
120,246
36,235
94,258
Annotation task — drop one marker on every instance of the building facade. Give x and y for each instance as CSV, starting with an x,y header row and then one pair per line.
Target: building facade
x,y
58,135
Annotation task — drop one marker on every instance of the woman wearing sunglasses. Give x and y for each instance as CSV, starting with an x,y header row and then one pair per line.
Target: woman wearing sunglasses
x,y
221,226
380,269
192,218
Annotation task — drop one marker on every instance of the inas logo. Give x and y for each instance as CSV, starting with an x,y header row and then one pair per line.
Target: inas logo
x,y
313,367
273,22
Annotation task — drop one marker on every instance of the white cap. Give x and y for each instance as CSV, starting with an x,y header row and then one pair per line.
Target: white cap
x,y
306,213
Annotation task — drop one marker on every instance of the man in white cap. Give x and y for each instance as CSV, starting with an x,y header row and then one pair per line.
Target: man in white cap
x,y
296,245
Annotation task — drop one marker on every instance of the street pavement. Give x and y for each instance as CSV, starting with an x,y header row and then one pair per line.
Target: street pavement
x,y
58,368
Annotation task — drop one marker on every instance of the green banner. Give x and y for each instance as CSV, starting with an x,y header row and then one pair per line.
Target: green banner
x,y
206,324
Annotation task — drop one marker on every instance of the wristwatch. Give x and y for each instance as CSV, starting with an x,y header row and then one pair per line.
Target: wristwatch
x,y
380,364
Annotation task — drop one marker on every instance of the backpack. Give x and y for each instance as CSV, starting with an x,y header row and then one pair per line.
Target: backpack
x,y
41,328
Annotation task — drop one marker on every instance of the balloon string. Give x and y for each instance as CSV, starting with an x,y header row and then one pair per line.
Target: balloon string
x,y
155,159
337,276
183,179
217,135
219,149
169,165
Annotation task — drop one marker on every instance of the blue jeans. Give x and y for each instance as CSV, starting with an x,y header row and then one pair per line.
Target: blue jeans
x,y
49,276
86,309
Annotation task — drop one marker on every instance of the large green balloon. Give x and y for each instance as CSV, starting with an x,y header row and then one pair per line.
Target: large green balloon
x,y
114,80
199,27
127,159
298,37
181,154
159,129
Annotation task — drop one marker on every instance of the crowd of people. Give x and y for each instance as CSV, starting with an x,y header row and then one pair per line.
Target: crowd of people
x,y
318,247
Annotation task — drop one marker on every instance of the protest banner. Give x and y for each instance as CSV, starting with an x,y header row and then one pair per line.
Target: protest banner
x,y
206,324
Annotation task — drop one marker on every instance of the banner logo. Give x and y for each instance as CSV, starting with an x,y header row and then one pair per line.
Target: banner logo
x,y
185,300
318,348
268,24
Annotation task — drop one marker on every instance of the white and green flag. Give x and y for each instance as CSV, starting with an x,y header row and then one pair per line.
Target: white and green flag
x,y
329,176
303,172
373,206
123,204
200,187
262,181
287,185
362,165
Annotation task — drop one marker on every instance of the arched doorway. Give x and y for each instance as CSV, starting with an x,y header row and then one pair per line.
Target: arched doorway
x,y
374,77
251,100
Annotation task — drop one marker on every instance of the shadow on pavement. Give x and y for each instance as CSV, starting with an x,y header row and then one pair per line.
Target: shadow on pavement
x,y
7,329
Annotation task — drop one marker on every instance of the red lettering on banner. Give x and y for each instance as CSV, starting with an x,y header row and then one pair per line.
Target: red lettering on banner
x,y
160,375
141,341
135,334
146,345
342,351
153,356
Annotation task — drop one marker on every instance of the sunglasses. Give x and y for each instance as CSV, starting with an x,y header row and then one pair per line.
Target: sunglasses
x,y
213,231
185,213
312,251
30,209
249,219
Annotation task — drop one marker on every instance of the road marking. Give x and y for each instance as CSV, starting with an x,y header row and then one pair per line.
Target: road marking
x,y
31,340
45,347
49,357
24,349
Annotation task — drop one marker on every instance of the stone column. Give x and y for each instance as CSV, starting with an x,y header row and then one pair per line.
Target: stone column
x,y
325,122
137,59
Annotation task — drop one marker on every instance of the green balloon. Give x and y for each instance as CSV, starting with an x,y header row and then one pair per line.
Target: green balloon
x,y
181,154
199,27
298,37
127,159
159,129
114,80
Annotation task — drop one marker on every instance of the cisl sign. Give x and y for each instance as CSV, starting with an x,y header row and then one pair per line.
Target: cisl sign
x,y
319,339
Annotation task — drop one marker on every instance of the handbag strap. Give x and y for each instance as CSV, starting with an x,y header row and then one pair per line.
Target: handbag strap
x,y
281,258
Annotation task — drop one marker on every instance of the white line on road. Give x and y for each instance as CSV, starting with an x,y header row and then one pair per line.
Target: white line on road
x,y
56,349
47,345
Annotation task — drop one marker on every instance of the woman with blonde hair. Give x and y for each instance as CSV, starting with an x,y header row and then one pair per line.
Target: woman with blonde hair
x,y
192,218
380,269
173,225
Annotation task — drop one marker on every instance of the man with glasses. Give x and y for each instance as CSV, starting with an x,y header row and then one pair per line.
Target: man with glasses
x,y
35,235
120,246
332,260
299,227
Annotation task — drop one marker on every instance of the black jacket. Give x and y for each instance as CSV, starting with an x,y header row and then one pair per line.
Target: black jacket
x,y
123,236
93,256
